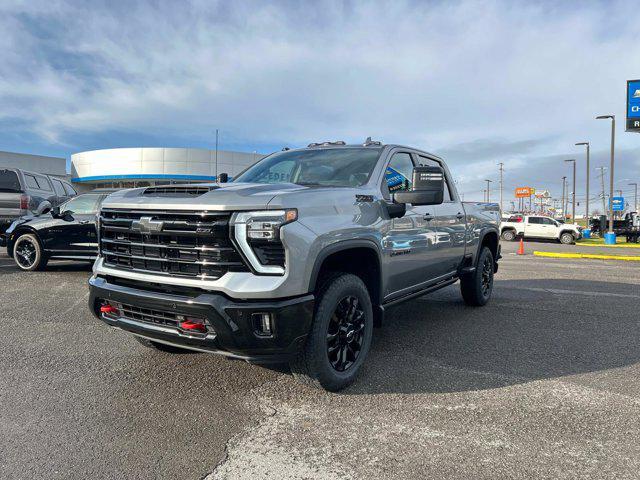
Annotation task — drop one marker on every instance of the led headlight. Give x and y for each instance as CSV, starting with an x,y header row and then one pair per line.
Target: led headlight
x,y
261,226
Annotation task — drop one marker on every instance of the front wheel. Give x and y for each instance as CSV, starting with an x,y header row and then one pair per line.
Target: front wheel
x,y
340,335
509,235
28,254
476,287
567,238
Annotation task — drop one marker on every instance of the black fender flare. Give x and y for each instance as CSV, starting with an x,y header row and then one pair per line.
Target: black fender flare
x,y
341,246
483,233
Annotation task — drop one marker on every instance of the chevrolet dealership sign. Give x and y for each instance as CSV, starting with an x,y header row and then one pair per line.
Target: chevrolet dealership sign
x,y
633,106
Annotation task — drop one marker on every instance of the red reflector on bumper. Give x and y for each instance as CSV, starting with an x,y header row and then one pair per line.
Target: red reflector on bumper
x,y
194,326
108,309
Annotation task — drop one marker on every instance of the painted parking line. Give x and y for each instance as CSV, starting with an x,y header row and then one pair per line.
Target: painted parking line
x,y
591,256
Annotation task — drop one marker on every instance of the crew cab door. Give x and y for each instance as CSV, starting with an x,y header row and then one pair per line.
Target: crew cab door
x,y
409,243
450,223
534,227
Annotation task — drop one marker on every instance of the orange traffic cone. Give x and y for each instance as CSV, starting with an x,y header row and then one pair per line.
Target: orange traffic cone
x,y
521,249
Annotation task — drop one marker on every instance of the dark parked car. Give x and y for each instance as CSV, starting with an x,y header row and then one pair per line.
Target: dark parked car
x,y
24,193
64,232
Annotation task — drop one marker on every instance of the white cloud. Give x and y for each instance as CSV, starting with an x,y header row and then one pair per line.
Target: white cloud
x,y
444,76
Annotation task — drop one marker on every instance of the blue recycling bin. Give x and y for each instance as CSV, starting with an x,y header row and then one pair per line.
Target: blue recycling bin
x,y
586,233
609,238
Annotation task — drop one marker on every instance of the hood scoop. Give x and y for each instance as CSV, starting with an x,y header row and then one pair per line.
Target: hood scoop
x,y
178,191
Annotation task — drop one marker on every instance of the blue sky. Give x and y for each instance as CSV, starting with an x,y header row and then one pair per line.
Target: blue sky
x,y
479,82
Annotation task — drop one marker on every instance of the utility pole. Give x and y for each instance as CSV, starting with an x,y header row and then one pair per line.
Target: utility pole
x,y
613,141
217,179
588,171
573,208
604,206
635,201
484,195
501,182
564,183
488,190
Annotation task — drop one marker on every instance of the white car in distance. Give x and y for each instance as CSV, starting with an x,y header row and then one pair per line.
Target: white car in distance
x,y
539,226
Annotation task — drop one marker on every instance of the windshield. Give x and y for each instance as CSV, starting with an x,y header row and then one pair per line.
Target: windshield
x,y
330,167
9,181
82,205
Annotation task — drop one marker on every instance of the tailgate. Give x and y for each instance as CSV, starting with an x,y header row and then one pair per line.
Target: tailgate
x,y
10,205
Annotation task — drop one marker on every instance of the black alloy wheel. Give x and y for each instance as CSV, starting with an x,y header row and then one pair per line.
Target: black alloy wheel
x,y
28,254
487,276
345,333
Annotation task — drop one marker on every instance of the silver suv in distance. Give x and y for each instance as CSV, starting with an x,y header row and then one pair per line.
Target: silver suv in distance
x,y
294,261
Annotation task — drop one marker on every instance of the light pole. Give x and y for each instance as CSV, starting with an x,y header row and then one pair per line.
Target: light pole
x,y
612,237
587,207
573,205
635,201
604,207
501,165
488,190
564,212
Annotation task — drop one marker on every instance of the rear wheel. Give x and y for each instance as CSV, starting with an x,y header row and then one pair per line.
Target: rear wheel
x,y
509,235
162,346
28,254
340,335
476,287
567,238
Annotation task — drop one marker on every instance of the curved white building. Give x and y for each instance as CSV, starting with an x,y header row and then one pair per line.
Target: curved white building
x,y
140,167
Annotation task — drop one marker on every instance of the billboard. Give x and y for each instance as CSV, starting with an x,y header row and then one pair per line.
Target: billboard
x,y
633,106
525,192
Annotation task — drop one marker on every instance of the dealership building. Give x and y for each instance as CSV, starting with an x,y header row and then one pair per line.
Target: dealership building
x,y
34,163
142,167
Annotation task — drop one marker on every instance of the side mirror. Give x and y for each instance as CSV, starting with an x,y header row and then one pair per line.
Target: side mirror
x,y
44,207
55,212
223,178
428,187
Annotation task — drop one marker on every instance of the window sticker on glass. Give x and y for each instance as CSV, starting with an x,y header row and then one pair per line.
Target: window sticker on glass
x,y
395,180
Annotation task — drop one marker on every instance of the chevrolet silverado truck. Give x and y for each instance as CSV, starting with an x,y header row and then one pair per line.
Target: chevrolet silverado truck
x,y
295,261
537,226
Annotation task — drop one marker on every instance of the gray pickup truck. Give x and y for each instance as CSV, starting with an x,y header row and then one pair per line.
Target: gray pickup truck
x,y
293,262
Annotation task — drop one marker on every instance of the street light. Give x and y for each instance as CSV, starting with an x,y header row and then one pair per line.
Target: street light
x,y
612,237
573,206
635,202
587,207
488,190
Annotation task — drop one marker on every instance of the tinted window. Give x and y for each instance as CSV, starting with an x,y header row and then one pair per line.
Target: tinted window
x,y
43,182
399,173
69,189
432,163
535,220
9,181
31,182
548,221
335,167
58,187
82,205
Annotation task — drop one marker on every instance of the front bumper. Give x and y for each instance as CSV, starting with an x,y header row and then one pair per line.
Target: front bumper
x,y
232,330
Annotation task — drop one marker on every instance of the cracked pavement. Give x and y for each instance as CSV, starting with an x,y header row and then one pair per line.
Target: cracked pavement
x,y
543,383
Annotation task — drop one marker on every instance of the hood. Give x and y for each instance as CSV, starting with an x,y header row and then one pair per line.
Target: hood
x,y
231,196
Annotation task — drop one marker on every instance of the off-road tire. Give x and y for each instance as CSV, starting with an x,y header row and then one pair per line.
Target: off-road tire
x,y
567,238
509,235
161,346
472,286
312,366
39,260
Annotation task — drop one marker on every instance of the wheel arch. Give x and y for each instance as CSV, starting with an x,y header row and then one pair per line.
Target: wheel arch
x,y
488,238
22,230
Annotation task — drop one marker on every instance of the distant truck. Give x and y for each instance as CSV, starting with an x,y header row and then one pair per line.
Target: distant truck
x,y
538,226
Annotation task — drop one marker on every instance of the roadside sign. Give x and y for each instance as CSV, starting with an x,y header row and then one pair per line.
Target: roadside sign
x,y
618,204
633,106
524,192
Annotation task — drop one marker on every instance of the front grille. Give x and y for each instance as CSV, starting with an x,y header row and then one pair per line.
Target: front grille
x,y
190,244
149,315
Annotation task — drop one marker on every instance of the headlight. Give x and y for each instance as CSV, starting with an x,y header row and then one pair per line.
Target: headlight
x,y
258,236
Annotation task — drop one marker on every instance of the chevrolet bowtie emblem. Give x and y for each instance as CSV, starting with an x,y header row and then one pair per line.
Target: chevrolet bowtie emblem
x,y
147,225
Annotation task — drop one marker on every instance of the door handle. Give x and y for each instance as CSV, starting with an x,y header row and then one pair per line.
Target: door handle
x,y
83,222
459,216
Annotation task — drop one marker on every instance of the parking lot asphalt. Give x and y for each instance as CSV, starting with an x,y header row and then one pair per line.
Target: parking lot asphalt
x,y
543,382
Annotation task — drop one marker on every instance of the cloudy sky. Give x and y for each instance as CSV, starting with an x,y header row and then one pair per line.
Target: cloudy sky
x,y
479,82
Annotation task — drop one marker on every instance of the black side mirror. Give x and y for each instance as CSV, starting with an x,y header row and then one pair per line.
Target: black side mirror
x,y
428,187
55,212
223,178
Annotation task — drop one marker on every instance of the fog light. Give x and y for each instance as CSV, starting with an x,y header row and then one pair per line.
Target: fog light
x,y
262,323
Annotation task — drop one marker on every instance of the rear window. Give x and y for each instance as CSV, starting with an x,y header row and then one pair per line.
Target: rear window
x,y
31,182
43,182
69,189
58,187
9,181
